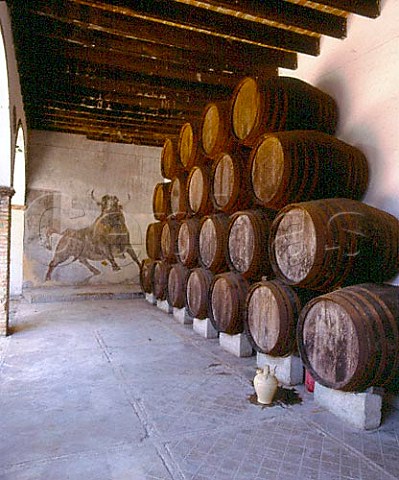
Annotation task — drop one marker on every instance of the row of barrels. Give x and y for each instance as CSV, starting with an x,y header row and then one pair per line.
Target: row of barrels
x,y
319,245
348,339
282,168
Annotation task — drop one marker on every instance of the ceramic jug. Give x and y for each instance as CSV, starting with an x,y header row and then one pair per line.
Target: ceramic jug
x,y
265,384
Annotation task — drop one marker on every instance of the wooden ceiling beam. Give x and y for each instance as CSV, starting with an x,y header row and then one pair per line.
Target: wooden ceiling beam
x,y
366,8
191,17
288,14
158,33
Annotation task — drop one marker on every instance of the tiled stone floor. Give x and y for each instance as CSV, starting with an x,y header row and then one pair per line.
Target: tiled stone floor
x,y
119,390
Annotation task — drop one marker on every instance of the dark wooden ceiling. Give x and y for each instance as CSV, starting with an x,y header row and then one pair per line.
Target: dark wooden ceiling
x,y
134,71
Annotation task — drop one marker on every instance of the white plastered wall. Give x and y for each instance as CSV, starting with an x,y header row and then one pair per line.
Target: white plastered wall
x,y
362,73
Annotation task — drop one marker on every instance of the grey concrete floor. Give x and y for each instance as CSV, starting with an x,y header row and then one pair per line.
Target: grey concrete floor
x,y
119,390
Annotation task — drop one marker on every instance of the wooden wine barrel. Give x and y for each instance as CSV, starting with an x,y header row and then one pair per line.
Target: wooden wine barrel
x,y
177,281
161,200
189,146
228,292
197,292
272,313
349,339
216,134
199,200
161,277
230,182
147,275
170,162
153,240
169,233
303,165
334,242
188,242
178,196
213,236
280,103
247,243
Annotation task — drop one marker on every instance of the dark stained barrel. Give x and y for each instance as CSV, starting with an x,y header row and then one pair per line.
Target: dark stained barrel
x,y
248,238
189,145
178,196
147,275
177,281
334,242
160,279
170,161
169,233
188,242
230,181
216,134
161,200
153,240
198,191
213,236
272,313
197,292
349,339
280,103
301,165
228,293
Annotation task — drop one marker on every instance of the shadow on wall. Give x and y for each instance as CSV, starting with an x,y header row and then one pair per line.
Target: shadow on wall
x,y
59,232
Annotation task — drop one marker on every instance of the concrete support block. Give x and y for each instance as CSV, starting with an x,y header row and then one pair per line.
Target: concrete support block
x,y
288,370
205,328
362,410
151,298
165,306
182,316
237,344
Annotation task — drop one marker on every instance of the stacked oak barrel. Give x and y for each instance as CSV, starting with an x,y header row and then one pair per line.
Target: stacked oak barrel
x,y
262,230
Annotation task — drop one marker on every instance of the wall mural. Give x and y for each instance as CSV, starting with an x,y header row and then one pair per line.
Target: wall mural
x,y
106,238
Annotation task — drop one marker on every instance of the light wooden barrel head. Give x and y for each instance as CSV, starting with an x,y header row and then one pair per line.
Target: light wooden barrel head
x,y
197,289
186,143
196,189
168,158
331,342
222,304
175,193
263,317
210,128
295,244
223,180
245,108
208,242
241,243
166,240
184,241
267,169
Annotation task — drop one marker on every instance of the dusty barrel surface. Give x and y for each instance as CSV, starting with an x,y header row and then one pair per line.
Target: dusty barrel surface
x,y
177,281
160,279
230,182
169,234
153,240
213,236
170,161
349,339
147,275
228,292
301,165
280,103
216,134
178,196
197,292
272,313
323,244
188,242
198,191
188,146
161,200
248,238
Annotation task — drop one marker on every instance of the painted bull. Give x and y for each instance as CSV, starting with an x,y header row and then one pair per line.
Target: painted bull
x,y
107,238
